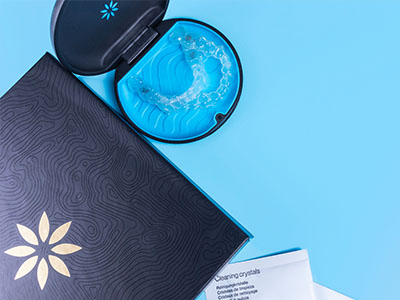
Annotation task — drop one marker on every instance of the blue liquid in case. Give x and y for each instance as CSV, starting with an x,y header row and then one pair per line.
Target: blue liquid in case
x,y
182,84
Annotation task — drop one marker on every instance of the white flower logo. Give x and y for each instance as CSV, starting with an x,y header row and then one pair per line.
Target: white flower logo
x,y
30,237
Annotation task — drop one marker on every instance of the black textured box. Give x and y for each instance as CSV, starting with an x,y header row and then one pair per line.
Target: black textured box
x,y
89,210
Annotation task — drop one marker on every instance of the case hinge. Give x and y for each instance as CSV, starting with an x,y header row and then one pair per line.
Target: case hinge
x,y
136,48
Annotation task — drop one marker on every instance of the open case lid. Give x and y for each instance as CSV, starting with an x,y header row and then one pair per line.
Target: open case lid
x,y
91,37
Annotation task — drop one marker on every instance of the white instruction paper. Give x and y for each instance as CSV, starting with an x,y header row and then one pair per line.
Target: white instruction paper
x,y
280,277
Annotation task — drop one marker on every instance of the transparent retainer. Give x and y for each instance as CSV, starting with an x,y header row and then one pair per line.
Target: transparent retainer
x,y
197,50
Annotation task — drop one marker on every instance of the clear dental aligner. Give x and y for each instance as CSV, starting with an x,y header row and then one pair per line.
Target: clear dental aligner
x,y
197,50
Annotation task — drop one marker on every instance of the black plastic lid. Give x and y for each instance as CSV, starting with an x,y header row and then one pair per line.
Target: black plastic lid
x,y
91,37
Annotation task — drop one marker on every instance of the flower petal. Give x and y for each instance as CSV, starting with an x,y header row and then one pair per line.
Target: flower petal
x,y
106,6
115,4
59,265
44,227
105,15
42,273
26,267
20,251
59,233
104,11
64,249
28,235
114,9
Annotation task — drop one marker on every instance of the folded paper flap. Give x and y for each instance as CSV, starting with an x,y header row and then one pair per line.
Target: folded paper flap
x,y
119,221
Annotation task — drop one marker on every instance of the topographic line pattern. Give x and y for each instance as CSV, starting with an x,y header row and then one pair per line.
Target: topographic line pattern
x,y
146,232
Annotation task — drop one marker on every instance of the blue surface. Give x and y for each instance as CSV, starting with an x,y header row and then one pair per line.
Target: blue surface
x,y
310,158
167,71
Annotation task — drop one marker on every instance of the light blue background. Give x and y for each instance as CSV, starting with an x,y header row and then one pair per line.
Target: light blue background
x,y
310,158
